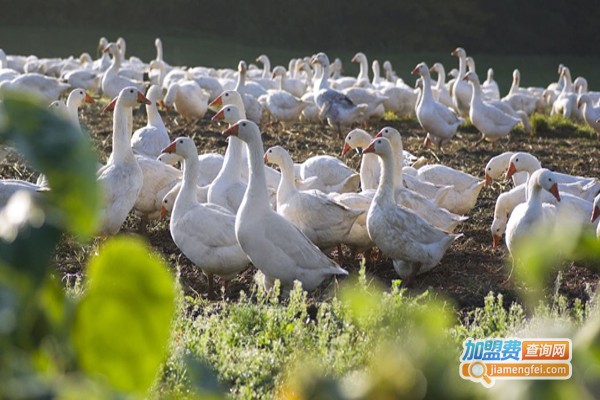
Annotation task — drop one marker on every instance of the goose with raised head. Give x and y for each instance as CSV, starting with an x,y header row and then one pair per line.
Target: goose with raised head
x,y
370,170
205,233
440,91
566,102
323,220
461,92
390,74
531,217
434,117
151,139
332,104
265,78
77,98
520,99
427,209
121,178
492,122
490,86
414,245
112,81
250,92
274,245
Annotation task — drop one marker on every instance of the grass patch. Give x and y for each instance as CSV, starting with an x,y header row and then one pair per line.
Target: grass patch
x,y
558,126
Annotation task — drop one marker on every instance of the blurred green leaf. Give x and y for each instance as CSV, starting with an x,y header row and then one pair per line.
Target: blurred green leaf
x,y
57,148
122,324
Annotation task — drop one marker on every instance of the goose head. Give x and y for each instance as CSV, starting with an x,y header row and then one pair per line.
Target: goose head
x,y
276,155
278,71
229,113
170,96
183,147
158,42
453,73
227,97
498,228
493,170
102,43
122,46
437,67
58,107
354,139
112,49
516,76
320,58
546,180
459,52
387,66
242,67
470,64
79,97
583,99
245,130
471,77
380,146
420,69
521,162
490,74
128,97
596,211
263,59
359,58
392,135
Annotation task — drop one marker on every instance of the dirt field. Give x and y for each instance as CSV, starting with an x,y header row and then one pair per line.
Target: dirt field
x,y
470,269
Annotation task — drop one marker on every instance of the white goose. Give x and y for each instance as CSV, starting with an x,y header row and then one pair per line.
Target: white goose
x,y
461,92
520,99
497,167
151,139
435,118
205,233
121,178
590,112
8,187
112,81
440,91
189,99
159,178
282,105
490,87
532,217
566,102
250,92
492,122
76,99
412,243
323,220
331,173
273,244
46,88
265,79
370,170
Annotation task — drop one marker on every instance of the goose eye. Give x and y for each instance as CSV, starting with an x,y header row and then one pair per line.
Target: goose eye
x,y
489,168
549,179
131,91
379,141
244,124
165,201
226,94
181,141
517,160
228,110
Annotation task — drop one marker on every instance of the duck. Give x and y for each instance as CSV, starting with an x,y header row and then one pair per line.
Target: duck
x,y
414,245
492,122
152,138
333,105
590,112
434,117
45,88
440,91
461,92
274,245
531,217
370,170
121,178
205,233
112,81
427,209
281,104
189,99
323,220
497,167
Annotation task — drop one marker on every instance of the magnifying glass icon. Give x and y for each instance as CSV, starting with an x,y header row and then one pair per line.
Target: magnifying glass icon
x,y
478,370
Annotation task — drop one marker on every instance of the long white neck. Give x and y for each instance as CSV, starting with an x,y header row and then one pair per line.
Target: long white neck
x,y
188,193
266,68
159,51
514,87
427,95
462,67
73,109
154,118
477,95
363,74
441,80
568,87
232,165
287,185
241,82
376,72
531,164
257,195
322,83
121,138
116,63
385,190
398,155
534,193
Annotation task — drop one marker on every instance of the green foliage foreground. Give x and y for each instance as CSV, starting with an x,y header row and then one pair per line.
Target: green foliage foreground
x,y
131,333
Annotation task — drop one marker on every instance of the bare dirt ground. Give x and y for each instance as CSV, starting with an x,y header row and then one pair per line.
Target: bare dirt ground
x,y
470,269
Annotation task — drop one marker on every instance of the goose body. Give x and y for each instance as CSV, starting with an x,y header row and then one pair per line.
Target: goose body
x,y
151,139
44,87
112,81
188,99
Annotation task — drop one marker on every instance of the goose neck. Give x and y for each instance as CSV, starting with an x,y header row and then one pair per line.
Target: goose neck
x,y
154,118
187,193
287,185
387,183
257,195
322,82
121,138
363,74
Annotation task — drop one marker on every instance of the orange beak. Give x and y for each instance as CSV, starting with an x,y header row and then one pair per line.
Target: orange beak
x,y
220,116
370,148
495,241
379,135
554,191
415,71
266,158
232,130
163,213
170,148
454,52
216,103
488,180
346,149
511,171
596,213
88,99
105,50
111,105
162,105
142,99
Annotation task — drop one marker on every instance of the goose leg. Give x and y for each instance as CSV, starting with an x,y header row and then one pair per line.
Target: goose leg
x,y
479,141
211,287
340,254
415,271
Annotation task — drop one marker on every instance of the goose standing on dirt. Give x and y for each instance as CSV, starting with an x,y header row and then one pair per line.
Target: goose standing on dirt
x,y
151,139
590,112
112,81
370,170
461,92
45,88
282,105
440,91
414,245
490,87
274,245
205,233
189,99
435,118
121,178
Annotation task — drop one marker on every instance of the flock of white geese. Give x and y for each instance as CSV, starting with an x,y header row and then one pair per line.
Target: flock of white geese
x,y
228,211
